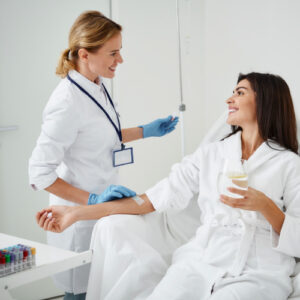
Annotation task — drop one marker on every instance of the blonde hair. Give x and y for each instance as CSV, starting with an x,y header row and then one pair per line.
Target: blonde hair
x,y
90,31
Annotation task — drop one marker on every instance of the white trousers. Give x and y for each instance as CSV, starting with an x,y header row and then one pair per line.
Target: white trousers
x,y
130,256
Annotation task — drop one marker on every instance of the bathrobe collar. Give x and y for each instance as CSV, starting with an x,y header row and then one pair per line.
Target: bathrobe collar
x,y
267,150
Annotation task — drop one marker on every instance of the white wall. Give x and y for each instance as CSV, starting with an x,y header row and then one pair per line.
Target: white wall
x,y
148,82
245,36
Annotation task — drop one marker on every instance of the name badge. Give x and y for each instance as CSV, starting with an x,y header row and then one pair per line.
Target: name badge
x,y
123,157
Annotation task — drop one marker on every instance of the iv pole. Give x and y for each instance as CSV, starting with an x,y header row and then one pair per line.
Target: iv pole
x,y
182,106
111,16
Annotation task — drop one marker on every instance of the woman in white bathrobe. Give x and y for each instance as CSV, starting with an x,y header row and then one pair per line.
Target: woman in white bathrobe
x,y
244,247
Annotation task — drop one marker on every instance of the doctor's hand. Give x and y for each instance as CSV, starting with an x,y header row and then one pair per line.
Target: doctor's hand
x,y
111,193
253,199
159,127
56,218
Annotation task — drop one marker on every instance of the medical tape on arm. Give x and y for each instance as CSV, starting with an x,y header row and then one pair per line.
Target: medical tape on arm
x,y
138,200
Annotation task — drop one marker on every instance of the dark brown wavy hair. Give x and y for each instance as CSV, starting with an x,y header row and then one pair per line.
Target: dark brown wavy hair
x,y
274,109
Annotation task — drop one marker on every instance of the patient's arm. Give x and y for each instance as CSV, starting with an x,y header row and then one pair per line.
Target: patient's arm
x,y
58,218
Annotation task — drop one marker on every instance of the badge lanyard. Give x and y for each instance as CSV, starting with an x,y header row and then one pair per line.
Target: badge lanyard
x,y
120,157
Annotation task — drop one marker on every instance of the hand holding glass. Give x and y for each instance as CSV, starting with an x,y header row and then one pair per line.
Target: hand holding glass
x,y
233,175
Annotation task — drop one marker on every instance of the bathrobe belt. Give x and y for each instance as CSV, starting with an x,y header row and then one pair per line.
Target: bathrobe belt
x,y
247,226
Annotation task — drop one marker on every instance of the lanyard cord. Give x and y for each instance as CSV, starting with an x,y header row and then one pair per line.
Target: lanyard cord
x,y
118,130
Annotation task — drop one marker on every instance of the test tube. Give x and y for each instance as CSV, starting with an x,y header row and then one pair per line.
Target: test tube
x,y
17,261
33,252
7,265
13,262
2,266
21,259
1,262
25,258
29,258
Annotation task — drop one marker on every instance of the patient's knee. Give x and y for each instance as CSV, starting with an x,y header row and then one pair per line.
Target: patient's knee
x,y
116,220
115,231
118,226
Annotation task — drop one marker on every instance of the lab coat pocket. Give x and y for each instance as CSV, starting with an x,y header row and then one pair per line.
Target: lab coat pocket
x,y
82,235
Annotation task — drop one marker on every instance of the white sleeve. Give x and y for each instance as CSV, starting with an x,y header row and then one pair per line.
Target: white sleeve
x,y
288,241
175,191
59,131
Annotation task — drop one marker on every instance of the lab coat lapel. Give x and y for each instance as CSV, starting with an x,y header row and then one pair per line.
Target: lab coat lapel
x,y
91,87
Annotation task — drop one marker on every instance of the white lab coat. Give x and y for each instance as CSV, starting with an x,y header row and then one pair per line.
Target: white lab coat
x,y
75,144
235,252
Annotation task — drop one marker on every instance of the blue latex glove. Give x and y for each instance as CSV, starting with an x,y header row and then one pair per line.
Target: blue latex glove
x,y
111,193
159,127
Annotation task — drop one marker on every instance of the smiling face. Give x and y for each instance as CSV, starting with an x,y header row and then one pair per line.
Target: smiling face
x,y
242,105
104,61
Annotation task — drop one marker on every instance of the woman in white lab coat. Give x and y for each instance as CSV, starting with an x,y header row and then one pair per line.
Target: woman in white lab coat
x,y
80,147
244,248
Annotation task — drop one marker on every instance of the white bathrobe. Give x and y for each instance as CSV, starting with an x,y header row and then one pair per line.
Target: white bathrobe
x,y
235,254
234,249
